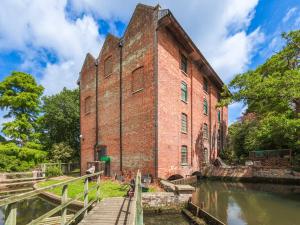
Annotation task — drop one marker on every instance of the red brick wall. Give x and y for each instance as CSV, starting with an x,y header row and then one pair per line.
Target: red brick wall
x,y
170,107
87,120
138,107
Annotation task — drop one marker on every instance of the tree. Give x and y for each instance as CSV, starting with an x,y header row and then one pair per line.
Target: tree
x,y
60,121
20,96
271,93
61,152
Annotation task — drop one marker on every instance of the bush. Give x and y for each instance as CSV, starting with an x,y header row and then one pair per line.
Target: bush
x,y
15,158
53,171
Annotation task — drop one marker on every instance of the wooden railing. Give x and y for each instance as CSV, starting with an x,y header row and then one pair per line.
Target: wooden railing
x,y
137,207
10,203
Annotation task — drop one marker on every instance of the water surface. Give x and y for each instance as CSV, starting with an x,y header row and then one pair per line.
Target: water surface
x,y
250,204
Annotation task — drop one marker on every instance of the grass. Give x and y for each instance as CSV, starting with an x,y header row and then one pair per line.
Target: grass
x,y
108,188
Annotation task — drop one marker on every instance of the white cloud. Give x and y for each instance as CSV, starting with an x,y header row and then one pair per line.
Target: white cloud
x,y
289,14
217,27
32,27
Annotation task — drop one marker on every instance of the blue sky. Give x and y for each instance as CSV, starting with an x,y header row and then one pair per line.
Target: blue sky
x,y
50,38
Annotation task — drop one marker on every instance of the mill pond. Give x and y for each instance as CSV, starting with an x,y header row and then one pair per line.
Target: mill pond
x,y
232,203
242,204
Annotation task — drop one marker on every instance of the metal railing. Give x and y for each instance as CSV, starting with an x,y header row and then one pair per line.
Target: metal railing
x,y
10,203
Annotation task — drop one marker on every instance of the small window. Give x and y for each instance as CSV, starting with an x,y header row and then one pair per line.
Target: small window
x,y
87,105
184,154
183,65
205,85
108,66
205,131
219,116
137,81
184,127
205,107
184,94
219,140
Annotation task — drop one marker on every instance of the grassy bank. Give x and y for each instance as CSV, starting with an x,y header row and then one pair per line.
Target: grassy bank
x,y
108,188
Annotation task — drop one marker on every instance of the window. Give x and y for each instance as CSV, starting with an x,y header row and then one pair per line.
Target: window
x,y
183,65
184,91
108,66
219,140
205,131
184,155
184,127
206,156
137,81
219,97
205,85
219,116
205,107
87,104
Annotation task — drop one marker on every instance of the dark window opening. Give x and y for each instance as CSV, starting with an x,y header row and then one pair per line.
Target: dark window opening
x,y
184,126
184,154
184,93
205,85
184,64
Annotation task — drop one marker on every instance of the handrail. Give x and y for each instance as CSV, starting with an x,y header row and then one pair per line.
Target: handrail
x,y
11,209
138,200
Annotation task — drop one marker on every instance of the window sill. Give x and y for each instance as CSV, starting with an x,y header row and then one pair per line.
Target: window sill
x,y
87,113
184,164
205,114
184,73
205,92
139,90
184,101
184,132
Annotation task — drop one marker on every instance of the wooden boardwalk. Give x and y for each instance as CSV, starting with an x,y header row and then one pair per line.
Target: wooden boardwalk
x,y
110,211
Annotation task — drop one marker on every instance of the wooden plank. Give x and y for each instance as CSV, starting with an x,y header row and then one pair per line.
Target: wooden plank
x,y
109,211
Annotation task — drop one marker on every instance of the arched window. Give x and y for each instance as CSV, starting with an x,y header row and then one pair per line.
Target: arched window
x,y
205,107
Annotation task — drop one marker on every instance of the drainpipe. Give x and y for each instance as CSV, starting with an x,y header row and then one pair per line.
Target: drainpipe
x,y
191,114
97,117
121,101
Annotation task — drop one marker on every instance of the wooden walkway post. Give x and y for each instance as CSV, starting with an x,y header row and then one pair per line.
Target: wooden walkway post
x,y
11,214
86,194
98,189
64,199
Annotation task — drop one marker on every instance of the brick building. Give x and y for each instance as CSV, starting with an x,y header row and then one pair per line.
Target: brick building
x,y
148,101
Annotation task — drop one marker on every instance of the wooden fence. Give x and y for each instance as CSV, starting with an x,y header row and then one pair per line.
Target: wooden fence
x,y
10,203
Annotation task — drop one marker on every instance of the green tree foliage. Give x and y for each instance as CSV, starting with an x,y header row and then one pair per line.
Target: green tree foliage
x,y
20,96
272,94
16,158
60,121
61,152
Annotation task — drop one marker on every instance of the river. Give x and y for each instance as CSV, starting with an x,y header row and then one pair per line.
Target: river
x,y
232,203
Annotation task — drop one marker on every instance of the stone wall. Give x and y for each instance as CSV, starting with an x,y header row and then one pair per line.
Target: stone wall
x,y
165,200
246,173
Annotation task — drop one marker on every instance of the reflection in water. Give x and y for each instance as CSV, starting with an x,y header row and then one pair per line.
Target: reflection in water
x,y
165,219
29,209
249,204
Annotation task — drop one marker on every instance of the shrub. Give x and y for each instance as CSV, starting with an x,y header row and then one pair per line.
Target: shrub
x,y
53,171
